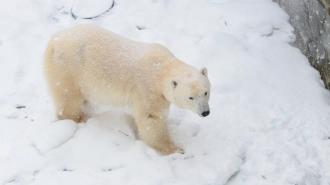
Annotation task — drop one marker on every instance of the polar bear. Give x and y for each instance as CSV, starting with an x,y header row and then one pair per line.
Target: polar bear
x,y
86,62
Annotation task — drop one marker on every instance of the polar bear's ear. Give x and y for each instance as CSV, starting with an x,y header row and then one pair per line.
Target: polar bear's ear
x,y
174,83
203,71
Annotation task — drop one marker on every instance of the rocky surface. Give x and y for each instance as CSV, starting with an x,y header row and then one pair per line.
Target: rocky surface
x,y
310,19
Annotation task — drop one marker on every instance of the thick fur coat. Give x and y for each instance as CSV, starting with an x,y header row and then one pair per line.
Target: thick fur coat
x,y
90,63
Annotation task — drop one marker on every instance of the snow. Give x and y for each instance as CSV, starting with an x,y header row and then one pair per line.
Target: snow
x,y
269,121
53,135
90,9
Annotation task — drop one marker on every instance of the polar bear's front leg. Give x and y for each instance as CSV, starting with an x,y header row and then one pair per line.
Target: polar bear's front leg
x,y
152,127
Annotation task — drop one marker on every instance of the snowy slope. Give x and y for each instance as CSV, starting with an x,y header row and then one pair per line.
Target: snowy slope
x,y
269,121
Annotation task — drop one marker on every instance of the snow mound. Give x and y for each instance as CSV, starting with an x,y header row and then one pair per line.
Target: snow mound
x,y
89,9
53,135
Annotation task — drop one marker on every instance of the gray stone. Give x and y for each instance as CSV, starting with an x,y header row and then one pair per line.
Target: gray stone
x,y
311,20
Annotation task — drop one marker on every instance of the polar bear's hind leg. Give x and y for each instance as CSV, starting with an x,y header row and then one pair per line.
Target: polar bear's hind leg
x,y
69,104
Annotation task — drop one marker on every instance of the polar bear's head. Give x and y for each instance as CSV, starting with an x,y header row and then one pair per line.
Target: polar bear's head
x,y
192,91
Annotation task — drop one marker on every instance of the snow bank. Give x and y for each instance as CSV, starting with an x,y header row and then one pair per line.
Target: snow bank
x,y
269,121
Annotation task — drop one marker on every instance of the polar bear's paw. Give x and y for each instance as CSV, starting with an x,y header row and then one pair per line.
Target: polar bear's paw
x,y
169,148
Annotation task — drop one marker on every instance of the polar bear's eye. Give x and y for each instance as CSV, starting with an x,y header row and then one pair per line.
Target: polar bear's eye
x,y
205,93
191,98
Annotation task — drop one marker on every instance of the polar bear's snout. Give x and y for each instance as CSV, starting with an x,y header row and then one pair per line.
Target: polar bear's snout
x,y
203,109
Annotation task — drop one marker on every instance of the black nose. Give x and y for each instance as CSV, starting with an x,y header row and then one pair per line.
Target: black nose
x,y
205,113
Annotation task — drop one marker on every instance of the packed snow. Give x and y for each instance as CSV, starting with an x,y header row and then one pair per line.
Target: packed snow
x,y
90,9
269,121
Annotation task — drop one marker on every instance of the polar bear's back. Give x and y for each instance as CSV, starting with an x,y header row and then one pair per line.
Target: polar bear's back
x,y
88,41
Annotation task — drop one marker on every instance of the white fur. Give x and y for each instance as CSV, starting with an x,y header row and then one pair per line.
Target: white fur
x,y
90,63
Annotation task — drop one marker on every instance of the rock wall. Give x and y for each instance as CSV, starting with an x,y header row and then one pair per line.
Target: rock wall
x,y
310,18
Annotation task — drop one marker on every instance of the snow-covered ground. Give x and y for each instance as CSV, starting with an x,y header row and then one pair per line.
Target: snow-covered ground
x,y
270,114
